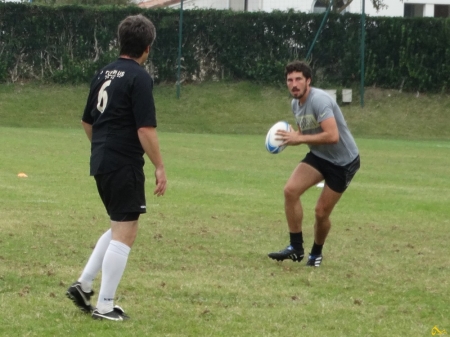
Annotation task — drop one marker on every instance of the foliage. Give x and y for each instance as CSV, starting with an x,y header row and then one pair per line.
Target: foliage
x,y
69,43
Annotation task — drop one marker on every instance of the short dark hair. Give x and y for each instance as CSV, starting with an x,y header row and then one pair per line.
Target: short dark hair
x,y
300,66
135,33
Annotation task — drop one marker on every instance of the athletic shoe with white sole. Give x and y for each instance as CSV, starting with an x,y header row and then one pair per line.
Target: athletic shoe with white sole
x,y
117,314
80,298
314,260
288,253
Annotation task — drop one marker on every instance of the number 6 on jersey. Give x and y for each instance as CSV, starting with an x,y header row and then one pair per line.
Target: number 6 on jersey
x,y
103,97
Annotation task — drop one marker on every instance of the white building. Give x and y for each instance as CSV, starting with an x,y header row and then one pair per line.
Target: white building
x,y
405,8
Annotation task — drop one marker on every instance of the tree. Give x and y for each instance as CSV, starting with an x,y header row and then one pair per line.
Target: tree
x,y
338,6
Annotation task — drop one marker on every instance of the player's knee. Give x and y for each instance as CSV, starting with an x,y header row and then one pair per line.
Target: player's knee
x,y
291,193
322,214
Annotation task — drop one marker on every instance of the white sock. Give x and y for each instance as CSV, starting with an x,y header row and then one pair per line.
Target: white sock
x,y
95,262
114,264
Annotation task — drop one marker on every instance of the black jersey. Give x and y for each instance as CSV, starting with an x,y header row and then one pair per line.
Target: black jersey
x,y
120,102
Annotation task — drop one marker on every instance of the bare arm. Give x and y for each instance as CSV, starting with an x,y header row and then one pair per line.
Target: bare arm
x,y
329,135
88,129
149,141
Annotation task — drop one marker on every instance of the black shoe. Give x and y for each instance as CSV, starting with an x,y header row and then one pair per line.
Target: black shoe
x,y
80,298
288,253
117,314
314,260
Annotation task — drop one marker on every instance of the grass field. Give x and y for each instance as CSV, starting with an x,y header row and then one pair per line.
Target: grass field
x,y
199,265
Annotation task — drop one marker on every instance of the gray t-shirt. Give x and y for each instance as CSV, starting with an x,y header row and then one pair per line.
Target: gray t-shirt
x,y
318,107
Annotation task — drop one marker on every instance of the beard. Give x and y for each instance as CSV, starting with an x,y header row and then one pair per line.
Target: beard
x,y
298,94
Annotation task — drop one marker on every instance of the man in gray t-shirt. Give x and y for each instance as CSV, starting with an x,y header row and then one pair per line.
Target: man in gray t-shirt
x,y
333,157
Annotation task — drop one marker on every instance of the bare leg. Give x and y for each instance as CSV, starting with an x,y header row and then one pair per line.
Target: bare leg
x,y
325,205
124,232
303,177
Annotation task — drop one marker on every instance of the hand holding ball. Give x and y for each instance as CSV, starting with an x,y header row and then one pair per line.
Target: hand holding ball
x,y
273,145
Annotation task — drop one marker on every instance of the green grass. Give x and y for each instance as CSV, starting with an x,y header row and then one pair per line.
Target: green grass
x,y
234,108
199,265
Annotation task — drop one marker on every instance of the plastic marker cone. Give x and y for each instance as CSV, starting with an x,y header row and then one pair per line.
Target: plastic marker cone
x,y
22,175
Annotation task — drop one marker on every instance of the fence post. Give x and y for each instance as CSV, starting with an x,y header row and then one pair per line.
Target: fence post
x,y
180,37
363,38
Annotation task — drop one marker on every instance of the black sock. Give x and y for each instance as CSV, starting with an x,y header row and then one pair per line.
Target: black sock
x,y
316,249
296,240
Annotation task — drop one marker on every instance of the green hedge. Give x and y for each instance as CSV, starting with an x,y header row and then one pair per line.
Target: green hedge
x,y
68,44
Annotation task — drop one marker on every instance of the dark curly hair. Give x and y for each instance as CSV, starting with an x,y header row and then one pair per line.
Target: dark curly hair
x,y
300,66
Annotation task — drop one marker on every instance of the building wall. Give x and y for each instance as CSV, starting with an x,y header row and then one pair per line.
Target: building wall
x,y
284,5
395,7
205,4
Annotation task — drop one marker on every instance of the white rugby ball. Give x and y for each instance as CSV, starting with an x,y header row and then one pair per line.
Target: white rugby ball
x,y
272,144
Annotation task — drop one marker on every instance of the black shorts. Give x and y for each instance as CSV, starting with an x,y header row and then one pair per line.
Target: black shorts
x,y
122,192
336,177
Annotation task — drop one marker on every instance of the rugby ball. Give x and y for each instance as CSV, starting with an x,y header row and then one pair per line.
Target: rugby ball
x,y
272,144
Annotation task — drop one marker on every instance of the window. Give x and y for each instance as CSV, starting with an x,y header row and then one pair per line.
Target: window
x,y
413,10
320,6
441,11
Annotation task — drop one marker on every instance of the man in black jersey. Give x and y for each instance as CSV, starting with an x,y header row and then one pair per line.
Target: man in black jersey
x,y
120,121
